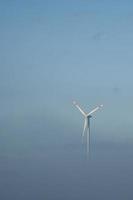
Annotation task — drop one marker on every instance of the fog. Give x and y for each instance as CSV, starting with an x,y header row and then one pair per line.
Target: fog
x,y
52,53
39,163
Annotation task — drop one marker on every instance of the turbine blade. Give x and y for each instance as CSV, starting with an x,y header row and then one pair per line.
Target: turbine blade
x,y
85,126
79,108
95,109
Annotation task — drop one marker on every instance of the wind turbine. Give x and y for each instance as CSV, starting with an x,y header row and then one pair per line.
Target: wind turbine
x,y
87,117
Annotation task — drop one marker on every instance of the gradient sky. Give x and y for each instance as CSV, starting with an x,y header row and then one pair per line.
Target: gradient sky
x,y
54,52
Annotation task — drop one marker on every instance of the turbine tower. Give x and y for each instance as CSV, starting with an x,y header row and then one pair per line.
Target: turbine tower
x,y
87,117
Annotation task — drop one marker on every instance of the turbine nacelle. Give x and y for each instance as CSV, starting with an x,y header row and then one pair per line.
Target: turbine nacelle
x,y
89,116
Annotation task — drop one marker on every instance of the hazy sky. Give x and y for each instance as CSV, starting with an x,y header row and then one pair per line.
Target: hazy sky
x,y
52,52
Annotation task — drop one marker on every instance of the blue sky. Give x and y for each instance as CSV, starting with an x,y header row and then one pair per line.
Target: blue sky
x,y
52,52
